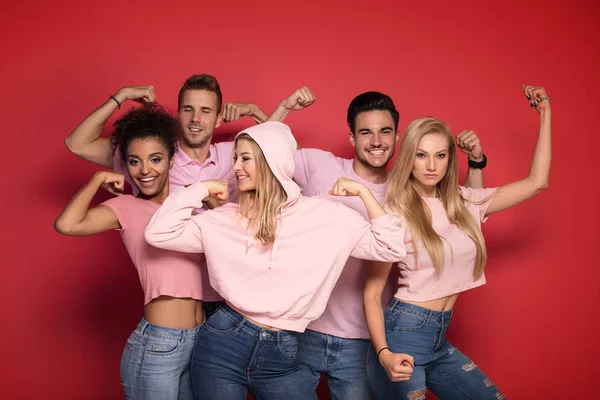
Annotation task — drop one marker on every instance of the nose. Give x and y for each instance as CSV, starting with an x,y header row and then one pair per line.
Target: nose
x,y
236,165
431,164
145,168
376,140
196,116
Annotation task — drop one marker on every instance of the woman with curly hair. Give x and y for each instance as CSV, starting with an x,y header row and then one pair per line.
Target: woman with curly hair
x,y
155,362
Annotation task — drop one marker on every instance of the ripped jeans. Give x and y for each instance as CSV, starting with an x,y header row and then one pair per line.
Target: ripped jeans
x,y
440,367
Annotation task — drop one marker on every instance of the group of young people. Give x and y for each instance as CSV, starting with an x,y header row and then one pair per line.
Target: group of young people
x,y
265,266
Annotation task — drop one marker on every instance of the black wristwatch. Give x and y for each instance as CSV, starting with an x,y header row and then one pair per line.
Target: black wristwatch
x,y
478,164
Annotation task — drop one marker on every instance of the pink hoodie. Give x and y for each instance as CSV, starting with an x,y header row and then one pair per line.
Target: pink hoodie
x,y
285,285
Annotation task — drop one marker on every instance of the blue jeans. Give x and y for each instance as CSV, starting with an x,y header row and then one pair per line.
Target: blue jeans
x,y
233,356
343,360
439,366
156,363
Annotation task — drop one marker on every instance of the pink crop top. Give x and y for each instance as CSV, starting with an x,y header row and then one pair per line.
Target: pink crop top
x,y
420,283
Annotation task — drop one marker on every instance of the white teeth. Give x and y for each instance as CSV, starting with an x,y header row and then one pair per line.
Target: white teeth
x,y
376,152
242,177
147,179
195,129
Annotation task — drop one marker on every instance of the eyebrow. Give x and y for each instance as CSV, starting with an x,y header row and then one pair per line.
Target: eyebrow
x,y
241,154
385,128
441,151
156,153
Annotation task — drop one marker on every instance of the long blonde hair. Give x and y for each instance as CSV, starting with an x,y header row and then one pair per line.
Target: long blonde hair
x,y
260,206
404,198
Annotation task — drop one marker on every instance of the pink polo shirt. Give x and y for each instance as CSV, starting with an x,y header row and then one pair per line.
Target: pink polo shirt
x,y
316,172
219,165
161,272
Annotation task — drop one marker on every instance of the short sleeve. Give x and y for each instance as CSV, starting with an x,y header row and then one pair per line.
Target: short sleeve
x,y
477,201
225,155
123,207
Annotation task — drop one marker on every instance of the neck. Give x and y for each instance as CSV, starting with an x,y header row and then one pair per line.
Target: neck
x,y
370,174
199,154
159,198
427,191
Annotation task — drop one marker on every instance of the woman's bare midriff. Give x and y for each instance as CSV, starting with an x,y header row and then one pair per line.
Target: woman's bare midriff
x,y
176,313
443,304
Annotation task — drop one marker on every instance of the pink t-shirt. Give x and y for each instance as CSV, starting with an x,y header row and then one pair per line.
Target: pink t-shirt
x,y
219,165
161,272
316,172
419,282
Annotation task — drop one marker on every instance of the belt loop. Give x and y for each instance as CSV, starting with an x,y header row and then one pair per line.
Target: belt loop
x,y
144,326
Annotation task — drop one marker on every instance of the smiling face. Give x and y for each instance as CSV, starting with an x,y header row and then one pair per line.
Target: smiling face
x,y
148,166
245,166
199,117
374,138
431,162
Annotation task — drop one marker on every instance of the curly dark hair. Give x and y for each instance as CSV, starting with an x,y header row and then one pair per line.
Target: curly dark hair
x,y
145,122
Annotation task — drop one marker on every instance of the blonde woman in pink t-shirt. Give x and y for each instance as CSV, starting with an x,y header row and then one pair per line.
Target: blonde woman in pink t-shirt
x,y
446,255
155,362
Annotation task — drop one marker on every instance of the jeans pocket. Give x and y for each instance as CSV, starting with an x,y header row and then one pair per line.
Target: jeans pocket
x,y
220,323
160,345
288,345
409,320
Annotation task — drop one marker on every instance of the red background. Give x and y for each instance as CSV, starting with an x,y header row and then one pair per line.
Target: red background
x,y
68,304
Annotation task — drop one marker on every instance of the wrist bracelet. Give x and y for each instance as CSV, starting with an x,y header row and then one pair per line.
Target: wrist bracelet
x,y
116,101
478,164
379,352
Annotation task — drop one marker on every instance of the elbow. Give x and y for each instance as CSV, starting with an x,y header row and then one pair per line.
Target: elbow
x,y
149,236
61,227
71,146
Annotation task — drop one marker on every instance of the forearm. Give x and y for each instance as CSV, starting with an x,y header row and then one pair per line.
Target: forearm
x,y
374,209
280,114
375,321
86,141
259,115
474,178
78,207
542,157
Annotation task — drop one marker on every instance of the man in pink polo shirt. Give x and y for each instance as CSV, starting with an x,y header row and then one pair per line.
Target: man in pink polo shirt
x,y
337,343
200,111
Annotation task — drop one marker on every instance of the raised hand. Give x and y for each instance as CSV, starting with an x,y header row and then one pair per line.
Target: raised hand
x,y
347,187
140,94
235,111
112,182
300,99
537,96
468,142
217,189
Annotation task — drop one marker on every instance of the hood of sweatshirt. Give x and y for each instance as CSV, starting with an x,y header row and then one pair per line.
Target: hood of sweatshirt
x,y
279,146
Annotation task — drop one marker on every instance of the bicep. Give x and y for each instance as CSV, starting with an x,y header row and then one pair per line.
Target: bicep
x,y
510,195
98,152
97,220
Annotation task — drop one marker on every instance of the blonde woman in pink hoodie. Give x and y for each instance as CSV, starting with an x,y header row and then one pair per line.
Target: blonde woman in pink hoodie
x,y
274,257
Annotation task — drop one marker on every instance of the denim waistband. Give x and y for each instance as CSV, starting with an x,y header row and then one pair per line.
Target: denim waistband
x,y
145,327
431,315
252,329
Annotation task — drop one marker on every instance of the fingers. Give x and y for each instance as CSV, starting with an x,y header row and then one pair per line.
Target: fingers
x,y
338,188
232,112
535,95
